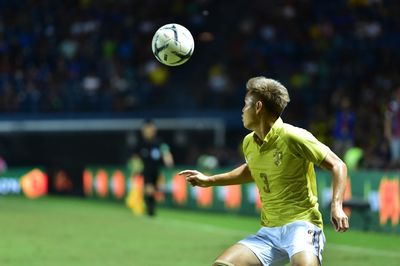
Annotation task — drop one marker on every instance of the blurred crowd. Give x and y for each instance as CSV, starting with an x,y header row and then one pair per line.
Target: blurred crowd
x,y
339,60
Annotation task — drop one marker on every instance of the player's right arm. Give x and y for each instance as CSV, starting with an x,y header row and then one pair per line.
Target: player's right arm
x,y
238,175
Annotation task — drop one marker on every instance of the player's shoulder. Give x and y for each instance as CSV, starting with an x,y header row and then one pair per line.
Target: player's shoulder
x,y
247,139
293,133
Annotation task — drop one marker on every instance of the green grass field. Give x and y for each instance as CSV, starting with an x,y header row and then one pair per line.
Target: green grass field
x,y
64,231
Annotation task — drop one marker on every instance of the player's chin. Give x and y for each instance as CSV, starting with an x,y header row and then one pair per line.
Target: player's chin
x,y
248,127
245,124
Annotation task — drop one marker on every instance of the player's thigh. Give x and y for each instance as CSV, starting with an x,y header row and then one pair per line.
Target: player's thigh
x,y
237,255
304,243
304,258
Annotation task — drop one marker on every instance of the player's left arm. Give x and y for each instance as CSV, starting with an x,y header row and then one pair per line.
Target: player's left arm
x,y
339,175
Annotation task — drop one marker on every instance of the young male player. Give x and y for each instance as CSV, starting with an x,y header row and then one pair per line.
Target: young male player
x,y
280,159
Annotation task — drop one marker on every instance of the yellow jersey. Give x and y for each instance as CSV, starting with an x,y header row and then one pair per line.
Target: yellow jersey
x,y
283,169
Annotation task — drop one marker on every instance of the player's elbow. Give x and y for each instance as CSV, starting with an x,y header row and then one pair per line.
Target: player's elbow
x,y
333,163
339,167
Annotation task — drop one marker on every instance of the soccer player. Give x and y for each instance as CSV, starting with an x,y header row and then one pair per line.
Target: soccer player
x,y
280,159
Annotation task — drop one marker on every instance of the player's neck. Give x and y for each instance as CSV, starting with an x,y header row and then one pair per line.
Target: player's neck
x,y
264,127
148,140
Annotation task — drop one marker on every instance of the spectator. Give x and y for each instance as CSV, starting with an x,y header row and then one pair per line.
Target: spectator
x,y
343,130
98,58
392,128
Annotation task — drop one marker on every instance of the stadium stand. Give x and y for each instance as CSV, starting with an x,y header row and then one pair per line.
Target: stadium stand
x,y
83,56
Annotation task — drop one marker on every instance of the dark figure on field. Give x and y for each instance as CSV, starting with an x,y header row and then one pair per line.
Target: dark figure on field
x,y
153,154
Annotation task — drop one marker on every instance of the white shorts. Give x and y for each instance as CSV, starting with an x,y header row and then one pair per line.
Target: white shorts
x,y
276,245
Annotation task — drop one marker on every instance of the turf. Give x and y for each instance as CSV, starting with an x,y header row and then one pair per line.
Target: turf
x,y
64,231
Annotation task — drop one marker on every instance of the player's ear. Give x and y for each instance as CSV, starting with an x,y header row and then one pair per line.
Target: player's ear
x,y
259,106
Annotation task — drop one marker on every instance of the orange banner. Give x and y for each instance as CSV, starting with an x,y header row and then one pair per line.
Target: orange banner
x,y
389,201
233,196
34,184
179,189
204,196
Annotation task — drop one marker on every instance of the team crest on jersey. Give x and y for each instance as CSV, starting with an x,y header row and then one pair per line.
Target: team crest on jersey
x,y
277,157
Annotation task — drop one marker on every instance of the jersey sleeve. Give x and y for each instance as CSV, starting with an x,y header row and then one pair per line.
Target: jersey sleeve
x,y
303,144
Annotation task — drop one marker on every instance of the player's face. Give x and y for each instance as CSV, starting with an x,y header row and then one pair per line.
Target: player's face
x,y
149,131
249,117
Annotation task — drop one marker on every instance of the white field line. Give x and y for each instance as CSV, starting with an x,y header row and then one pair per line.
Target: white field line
x,y
218,230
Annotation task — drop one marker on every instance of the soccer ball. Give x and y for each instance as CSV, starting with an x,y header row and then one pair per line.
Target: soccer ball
x,y
172,44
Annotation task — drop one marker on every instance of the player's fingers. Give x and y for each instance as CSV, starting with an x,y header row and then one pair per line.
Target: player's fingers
x,y
187,172
184,172
341,225
189,178
335,223
344,224
193,182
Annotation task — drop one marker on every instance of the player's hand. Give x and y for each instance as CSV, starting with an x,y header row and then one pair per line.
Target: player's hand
x,y
339,219
195,178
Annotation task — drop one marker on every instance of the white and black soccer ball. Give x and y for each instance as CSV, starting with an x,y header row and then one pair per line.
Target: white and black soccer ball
x,y
172,44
